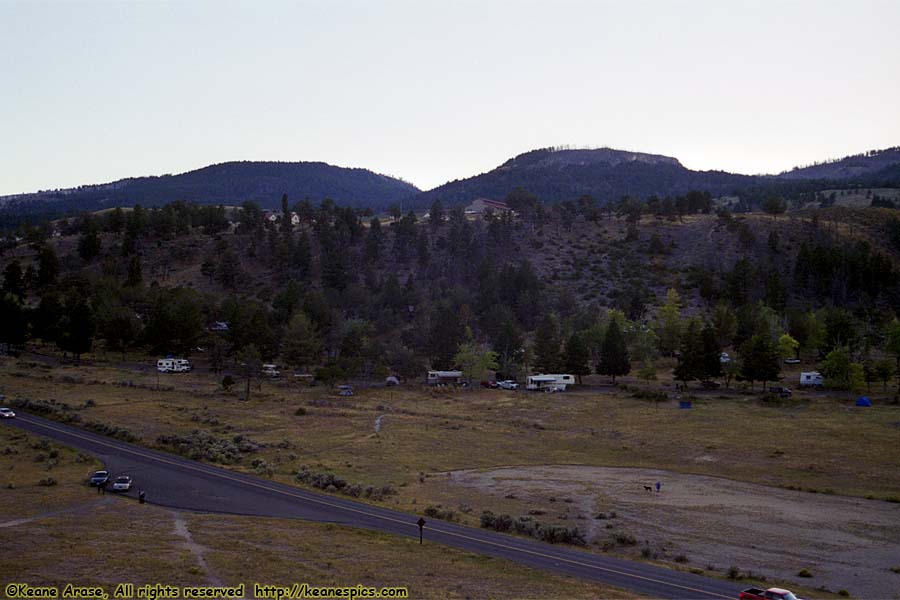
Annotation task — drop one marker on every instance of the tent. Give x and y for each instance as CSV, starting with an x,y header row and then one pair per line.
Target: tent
x,y
863,401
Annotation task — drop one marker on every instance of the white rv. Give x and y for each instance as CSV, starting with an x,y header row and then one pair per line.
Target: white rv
x,y
445,378
812,378
549,382
173,365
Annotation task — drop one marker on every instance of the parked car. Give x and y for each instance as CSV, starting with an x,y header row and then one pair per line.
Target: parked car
x,y
122,483
508,384
7,413
792,361
270,370
782,392
345,390
769,594
490,384
99,478
724,358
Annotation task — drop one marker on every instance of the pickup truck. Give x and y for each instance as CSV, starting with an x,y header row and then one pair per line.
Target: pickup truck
x,y
769,594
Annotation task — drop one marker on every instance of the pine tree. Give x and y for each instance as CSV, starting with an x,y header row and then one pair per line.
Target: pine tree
x,y
614,359
546,345
759,359
712,352
690,355
78,327
577,356
301,345
48,266
14,279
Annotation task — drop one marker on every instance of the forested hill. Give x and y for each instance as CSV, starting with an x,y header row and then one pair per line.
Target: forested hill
x,y
867,164
225,183
605,174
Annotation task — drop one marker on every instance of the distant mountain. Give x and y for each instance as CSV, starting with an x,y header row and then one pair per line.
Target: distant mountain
x,y
850,167
607,174
226,183
604,173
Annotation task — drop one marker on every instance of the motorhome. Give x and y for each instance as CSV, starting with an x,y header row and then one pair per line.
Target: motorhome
x,y
812,378
549,382
173,365
445,378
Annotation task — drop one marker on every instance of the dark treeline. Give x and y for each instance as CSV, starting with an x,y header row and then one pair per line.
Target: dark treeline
x,y
332,289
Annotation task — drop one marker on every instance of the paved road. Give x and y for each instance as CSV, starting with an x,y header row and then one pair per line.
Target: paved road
x,y
181,483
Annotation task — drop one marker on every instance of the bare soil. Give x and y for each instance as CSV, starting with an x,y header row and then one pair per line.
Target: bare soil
x,y
846,543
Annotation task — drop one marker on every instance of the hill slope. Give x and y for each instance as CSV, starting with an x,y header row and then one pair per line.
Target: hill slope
x,y
227,183
608,174
859,165
604,173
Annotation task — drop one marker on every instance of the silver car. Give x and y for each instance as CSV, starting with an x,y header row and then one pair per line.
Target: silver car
x,y
6,413
122,483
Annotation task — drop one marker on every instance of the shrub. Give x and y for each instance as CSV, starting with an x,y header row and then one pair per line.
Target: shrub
x,y
201,445
733,573
437,512
804,573
624,539
681,558
47,482
496,522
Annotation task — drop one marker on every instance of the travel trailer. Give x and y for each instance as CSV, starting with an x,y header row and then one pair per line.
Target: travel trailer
x,y
549,382
445,378
812,378
173,365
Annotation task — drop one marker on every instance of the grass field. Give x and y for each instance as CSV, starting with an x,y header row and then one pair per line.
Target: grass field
x,y
68,534
815,443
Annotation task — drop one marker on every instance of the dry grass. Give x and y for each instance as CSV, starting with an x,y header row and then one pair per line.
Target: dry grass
x,y
814,443
25,460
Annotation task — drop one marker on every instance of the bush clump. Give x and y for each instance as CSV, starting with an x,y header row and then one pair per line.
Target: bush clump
x,y
47,482
201,445
332,483
437,512
552,534
120,433
59,411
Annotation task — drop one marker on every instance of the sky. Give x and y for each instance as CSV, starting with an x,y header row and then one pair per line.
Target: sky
x,y
432,91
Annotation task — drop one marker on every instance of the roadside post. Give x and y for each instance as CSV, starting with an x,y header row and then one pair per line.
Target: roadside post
x,y
142,497
421,524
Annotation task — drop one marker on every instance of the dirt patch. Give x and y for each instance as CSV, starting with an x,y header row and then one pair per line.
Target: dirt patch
x,y
847,543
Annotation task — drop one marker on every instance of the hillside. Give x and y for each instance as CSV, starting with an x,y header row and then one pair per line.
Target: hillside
x,y
867,164
225,183
607,174
373,298
604,173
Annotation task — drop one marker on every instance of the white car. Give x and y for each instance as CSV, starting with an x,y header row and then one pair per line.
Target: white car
x,y
122,483
508,384
724,358
6,413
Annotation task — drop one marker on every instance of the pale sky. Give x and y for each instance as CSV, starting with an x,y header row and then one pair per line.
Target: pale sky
x,y
429,91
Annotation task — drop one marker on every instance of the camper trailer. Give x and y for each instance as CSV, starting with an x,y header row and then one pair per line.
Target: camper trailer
x,y
173,365
549,382
445,378
811,379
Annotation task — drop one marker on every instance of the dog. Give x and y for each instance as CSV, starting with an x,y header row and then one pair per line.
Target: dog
x,y
649,488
